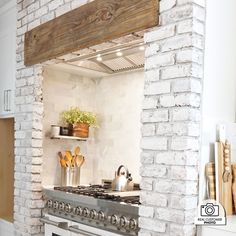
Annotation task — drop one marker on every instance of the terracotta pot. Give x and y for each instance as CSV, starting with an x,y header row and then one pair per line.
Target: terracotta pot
x,y
81,130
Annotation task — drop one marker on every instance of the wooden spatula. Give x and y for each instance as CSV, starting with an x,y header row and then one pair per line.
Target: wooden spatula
x,y
77,151
79,160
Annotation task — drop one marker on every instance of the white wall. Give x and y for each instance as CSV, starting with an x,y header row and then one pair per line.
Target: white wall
x,y
61,91
219,95
117,101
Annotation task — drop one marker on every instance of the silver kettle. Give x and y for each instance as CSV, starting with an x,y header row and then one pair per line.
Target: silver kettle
x,y
123,180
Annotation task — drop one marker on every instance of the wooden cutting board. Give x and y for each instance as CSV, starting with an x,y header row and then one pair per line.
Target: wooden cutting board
x,y
225,177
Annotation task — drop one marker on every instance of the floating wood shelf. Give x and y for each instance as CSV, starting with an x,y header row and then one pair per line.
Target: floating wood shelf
x,y
69,138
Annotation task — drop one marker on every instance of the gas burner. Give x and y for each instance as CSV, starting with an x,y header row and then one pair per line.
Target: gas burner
x,y
100,192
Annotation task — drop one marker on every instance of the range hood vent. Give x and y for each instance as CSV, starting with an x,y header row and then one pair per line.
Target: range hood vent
x,y
109,61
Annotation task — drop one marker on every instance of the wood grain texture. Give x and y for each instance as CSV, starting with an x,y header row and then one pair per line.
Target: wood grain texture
x,y
89,25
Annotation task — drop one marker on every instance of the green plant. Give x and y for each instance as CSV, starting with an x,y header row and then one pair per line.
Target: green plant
x,y
75,115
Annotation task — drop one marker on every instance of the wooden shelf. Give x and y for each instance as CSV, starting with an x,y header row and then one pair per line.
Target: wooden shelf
x,y
69,138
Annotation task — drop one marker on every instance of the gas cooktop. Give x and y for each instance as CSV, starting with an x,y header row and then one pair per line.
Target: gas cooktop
x,y
102,192
96,206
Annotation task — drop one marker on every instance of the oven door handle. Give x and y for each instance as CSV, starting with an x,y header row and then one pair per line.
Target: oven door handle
x,y
75,229
62,225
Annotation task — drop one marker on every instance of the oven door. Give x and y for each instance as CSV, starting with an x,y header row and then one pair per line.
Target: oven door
x,y
55,226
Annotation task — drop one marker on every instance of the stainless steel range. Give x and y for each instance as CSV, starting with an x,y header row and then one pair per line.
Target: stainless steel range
x,y
91,210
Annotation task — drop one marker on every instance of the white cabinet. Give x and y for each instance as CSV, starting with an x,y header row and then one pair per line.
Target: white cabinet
x,y
7,58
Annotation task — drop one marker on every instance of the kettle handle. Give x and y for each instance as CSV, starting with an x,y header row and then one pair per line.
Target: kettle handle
x,y
127,171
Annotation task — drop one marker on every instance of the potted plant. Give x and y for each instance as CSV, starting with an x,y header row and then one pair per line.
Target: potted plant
x,y
79,121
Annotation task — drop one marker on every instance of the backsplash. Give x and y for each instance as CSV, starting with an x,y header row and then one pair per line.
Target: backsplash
x,y
117,101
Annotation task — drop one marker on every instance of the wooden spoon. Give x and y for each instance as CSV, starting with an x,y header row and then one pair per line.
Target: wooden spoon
x,y
79,160
77,151
69,156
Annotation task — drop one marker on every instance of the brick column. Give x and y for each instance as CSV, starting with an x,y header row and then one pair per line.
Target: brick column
x,y
171,120
28,202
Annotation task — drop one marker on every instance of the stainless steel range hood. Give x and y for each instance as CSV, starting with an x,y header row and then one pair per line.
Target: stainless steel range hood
x,y
116,59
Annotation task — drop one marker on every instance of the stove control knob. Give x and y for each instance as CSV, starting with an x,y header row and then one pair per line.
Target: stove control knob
x,y
68,208
114,220
55,205
50,203
86,212
101,216
78,211
133,224
93,214
123,222
61,206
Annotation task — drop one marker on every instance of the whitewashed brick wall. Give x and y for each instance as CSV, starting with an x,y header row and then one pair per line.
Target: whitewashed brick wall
x,y
171,116
28,201
171,120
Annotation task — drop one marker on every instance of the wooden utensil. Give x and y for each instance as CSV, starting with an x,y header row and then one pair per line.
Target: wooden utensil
x,y
79,160
69,156
63,163
77,150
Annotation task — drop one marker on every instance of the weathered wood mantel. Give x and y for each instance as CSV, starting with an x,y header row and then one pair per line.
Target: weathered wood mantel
x,y
88,25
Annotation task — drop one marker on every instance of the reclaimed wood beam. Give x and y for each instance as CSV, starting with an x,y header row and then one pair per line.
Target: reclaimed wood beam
x,y
88,25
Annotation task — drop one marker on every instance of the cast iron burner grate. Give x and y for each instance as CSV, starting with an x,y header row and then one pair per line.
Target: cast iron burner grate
x,y
100,192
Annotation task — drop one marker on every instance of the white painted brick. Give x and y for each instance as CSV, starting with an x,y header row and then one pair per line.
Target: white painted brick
x,y
152,49
147,157
190,26
199,13
152,75
184,143
34,24
44,2
153,171
146,211
199,2
152,224
176,187
154,143
149,103
187,85
182,230
177,71
155,116
54,4
167,214
186,114
177,158
41,11
63,9
167,101
154,199
78,3
146,184
33,7
189,55
148,130
164,129
190,129
167,5
156,88
177,14
187,99
159,60
143,232
162,32
177,42
47,17
184,173
183,202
